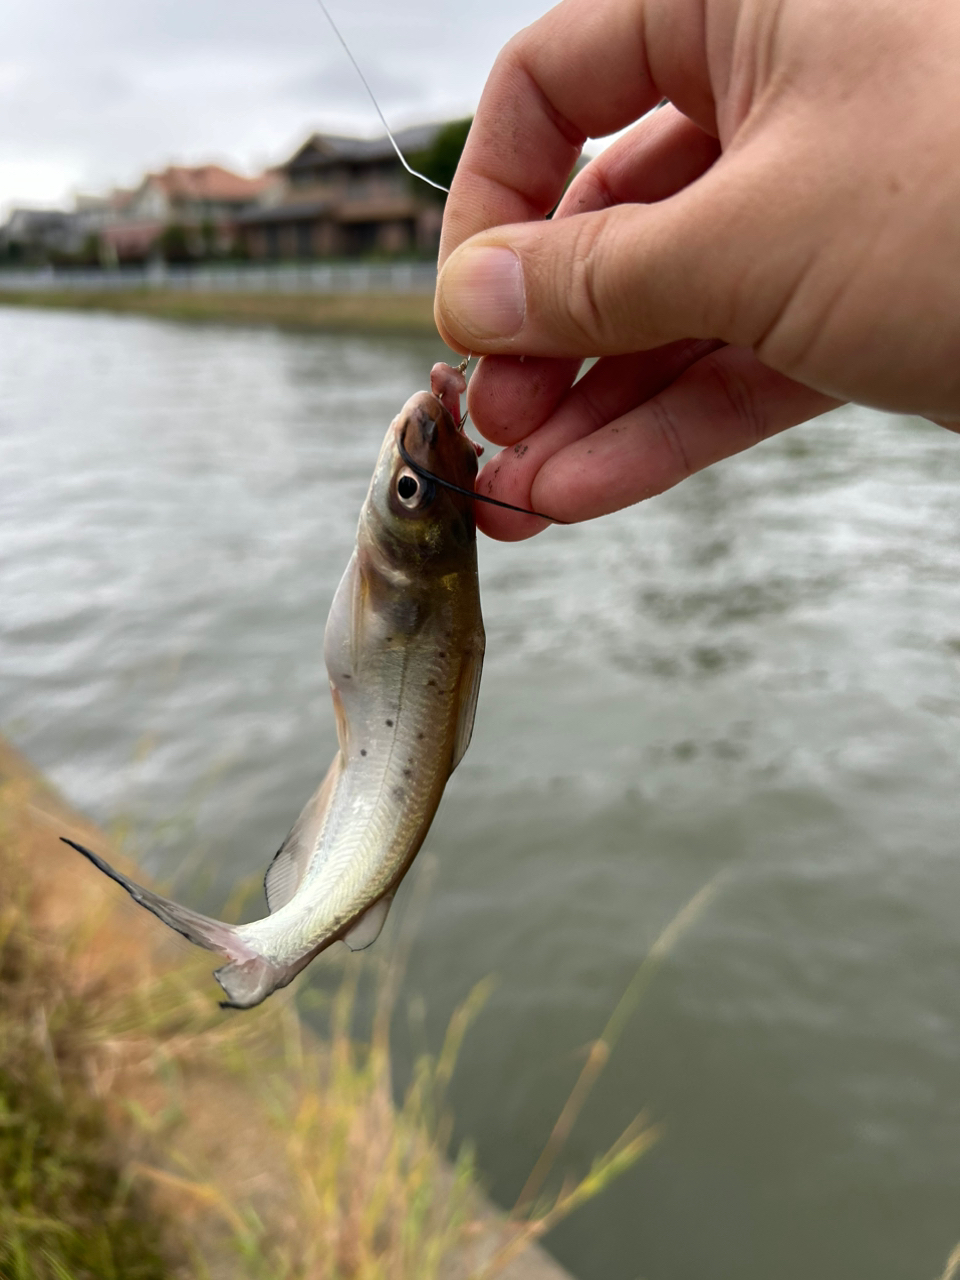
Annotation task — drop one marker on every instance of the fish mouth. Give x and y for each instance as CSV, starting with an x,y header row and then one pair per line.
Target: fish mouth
x,y
430,440
460,422
439,449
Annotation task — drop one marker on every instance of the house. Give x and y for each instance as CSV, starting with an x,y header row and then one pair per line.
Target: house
x,y
203,202
36,235
339,196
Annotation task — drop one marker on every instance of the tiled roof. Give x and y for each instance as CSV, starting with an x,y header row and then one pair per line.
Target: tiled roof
x,y
120,197
333,147
207,182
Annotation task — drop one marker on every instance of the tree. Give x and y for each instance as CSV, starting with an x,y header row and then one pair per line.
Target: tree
x,y
208,238
174,245
439,161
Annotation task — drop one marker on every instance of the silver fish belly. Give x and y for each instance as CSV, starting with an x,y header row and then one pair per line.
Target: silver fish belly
x,y
403,647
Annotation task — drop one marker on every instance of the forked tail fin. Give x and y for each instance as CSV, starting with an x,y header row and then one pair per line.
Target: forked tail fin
x,y
247,979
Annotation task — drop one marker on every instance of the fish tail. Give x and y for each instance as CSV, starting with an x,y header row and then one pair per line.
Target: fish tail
x,y
202,930
248,982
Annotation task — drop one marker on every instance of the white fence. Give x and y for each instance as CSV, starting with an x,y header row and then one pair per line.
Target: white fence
x,y
405,277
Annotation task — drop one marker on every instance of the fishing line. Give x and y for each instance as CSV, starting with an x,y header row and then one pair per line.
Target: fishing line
x,y
469,493
415,466
376,106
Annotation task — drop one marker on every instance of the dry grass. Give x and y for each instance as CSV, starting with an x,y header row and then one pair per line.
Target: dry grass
x,y
146,1133
342,313
343,1183
66,1206
952,1269
139,1117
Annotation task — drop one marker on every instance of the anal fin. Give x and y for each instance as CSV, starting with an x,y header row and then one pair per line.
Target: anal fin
x,y
248,982
366,930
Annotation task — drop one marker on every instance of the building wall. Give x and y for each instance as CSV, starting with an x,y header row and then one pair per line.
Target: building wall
x,y
429,224
148,204
398,236
373,210
295,239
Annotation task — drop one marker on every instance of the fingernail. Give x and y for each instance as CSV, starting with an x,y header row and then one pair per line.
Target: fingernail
x,y
482,291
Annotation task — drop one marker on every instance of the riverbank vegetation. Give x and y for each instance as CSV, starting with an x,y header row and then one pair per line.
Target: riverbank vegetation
x,y
66,1207
145,1133
341,313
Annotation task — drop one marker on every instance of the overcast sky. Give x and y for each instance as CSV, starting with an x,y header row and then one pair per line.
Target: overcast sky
x,y
94,94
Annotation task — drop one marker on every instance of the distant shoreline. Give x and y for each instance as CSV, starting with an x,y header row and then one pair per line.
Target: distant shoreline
x,y
353,313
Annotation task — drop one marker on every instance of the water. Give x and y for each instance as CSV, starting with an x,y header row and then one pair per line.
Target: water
x,y
758,673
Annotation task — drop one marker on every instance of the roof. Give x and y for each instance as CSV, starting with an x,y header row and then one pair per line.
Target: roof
x,y
333,148
207,182
120,197
91,204
35,221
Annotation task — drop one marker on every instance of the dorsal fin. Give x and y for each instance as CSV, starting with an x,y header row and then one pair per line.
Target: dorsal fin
x,y
468,693
289,866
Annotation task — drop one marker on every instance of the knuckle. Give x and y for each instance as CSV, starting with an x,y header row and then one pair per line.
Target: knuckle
x,y
739,398
584,286
589,192
513,55
590,408
672,439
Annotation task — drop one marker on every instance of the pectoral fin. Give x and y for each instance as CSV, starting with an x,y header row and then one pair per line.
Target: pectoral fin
x,y
367,929
469,692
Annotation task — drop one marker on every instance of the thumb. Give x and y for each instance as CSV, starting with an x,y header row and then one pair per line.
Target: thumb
x,y
714,261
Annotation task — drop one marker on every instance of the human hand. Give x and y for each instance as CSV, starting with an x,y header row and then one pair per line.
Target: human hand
x,y
784,237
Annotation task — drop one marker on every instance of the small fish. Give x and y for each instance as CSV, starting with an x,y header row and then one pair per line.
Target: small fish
x,y
404,648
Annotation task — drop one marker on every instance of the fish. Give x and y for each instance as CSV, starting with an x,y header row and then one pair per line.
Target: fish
x,y
403,647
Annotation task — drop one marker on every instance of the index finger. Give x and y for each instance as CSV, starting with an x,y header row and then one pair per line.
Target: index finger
x,y
583,70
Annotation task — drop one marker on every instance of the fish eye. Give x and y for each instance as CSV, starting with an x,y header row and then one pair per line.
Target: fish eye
x,y
412,490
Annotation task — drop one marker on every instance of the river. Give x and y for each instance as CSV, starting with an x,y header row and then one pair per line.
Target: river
x,y
756,676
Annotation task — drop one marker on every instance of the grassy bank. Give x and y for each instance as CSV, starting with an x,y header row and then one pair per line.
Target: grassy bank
x,y
359,313
66,1207
145,1133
